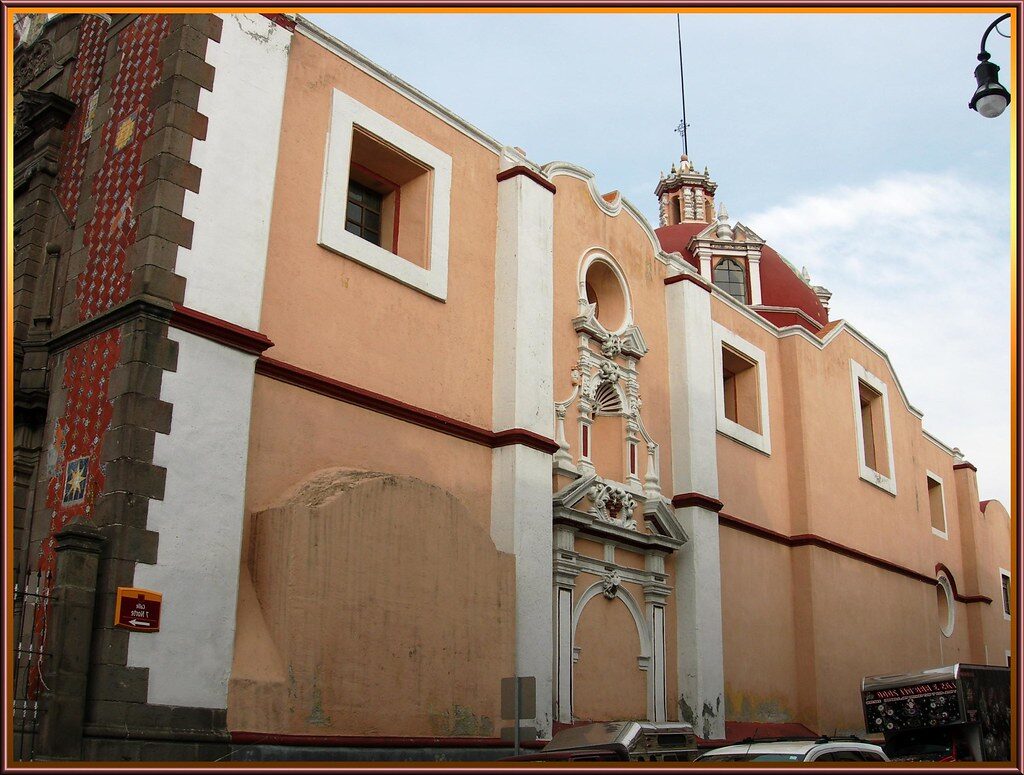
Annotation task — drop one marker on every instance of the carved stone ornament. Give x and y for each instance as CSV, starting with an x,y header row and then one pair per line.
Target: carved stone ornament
x,y
612,504
611,346
610,584
32,62
608,372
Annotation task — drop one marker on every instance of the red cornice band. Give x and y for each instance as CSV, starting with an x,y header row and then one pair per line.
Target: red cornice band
x,y
810,539
375,402
685,499
536,177
941,568
958,466
689,277
217,330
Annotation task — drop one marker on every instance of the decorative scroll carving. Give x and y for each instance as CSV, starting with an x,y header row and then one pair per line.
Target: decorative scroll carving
x,y
612,504
610,584
31,63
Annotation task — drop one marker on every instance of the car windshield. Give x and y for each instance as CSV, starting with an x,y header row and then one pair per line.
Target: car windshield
x,y
752,757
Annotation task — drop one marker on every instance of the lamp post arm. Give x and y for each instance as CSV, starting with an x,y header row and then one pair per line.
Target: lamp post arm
x,y
983,56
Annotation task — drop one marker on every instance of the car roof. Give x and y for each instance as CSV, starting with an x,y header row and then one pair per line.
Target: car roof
x,y
793,746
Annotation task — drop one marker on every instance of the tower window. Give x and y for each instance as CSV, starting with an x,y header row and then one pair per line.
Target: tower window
x,y
729,276
362,216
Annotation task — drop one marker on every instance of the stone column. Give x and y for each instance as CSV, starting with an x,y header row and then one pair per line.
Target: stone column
x,y
695,482
524,399
69,633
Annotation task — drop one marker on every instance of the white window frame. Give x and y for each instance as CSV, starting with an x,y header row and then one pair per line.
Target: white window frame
x,y
950,624
762,441
944,533
347,113
859,374
1003,573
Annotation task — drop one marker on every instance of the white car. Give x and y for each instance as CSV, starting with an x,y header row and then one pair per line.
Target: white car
x,y
822,749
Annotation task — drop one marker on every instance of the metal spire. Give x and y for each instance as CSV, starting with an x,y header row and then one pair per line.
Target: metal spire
x,y
681,129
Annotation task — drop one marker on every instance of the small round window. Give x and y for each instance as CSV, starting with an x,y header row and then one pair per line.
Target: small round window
x,y
605,292
944,601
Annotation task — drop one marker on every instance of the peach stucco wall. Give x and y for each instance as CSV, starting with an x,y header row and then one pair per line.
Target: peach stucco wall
x,y
607,681
815,600
334,316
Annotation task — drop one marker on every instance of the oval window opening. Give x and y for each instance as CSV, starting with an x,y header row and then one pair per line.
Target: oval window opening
x,y
604,290
944,602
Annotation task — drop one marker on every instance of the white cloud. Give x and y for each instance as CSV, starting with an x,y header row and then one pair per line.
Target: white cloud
x,y
920,264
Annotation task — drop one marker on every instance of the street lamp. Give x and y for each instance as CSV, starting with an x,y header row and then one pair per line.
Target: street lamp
x,y
991,98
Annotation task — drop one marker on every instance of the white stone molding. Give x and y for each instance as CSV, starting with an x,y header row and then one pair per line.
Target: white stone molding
x,y
944,533
591,257
523,398
754,273
306,28
598,589
762,441
698,597
205,454
859,374
613,208
347,113
947,626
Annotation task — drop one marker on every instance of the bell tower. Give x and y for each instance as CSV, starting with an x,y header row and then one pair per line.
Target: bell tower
x,y
685,195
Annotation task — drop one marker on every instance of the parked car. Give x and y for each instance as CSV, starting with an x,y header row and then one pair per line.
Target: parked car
x,y
637,741
822,749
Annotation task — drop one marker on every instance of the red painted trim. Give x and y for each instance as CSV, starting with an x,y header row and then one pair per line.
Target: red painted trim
x,y
696,499
687,277
958,466
941,568
984,505
394,741
281,20
810,539
218,330
375,402
536,177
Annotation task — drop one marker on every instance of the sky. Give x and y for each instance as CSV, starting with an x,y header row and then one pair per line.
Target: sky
x,y
844,140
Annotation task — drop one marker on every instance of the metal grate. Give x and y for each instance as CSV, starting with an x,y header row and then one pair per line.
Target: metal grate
x,y
31,598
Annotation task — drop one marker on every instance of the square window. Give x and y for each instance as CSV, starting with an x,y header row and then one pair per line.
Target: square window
x,y
386,198
739,381
741,390
936,504
872,428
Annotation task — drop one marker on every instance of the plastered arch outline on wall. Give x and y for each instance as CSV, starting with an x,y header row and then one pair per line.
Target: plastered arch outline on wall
x,y
597,588
600,256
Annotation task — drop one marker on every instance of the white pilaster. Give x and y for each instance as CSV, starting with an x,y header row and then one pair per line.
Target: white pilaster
x,y
695,470
754,271
704,255
523,398
200,517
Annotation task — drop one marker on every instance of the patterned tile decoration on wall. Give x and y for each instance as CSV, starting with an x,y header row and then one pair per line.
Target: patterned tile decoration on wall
x,y
83,90
104,281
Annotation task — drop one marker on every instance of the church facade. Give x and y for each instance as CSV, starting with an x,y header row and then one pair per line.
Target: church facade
x,y
386,412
